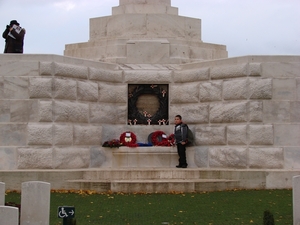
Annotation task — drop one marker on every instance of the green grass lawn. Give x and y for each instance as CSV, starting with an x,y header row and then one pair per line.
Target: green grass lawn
x,y
210,208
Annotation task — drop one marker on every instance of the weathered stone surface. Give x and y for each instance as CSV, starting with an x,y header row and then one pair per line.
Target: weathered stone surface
x,y
237,135
2,197
296,200
71,112
280,69
88,91
63,134
210,135
40,134
147,77
295,111
228,71
24,111
34,158
71,158
192,113
16,87
113,93
98,157
184,93
13,134
291,158
278,111
201,156
19,68
286,135
297,89
87,135
2,87
211,91
260,88
191,75
261,135
45,111
267,158
255,69
235,89
105,75
9,215
227,157
40,87
284,89
68,70
65,89
108,113
46,68
8,158
228,112
4,111
255,111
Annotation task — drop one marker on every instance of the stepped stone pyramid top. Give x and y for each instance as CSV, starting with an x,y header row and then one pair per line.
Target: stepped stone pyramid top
x,y
148,32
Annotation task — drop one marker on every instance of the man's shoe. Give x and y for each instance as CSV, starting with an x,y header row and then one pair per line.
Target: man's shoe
x,y
178,166
184,166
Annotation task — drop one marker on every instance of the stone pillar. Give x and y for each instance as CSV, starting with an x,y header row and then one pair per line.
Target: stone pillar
x,y
9,215
2,193
35,203
296,199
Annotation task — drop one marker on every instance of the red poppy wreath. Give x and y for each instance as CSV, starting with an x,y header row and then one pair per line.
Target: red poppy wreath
x,y
128,139
159,138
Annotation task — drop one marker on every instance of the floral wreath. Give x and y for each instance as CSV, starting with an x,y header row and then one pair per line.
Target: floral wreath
x,y
159,138
128,139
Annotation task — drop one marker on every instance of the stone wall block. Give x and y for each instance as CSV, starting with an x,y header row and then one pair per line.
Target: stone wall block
x,y
297,89
46,68
8,156
184,93
2,88
34,158
295,112
105,75
255,111
113,93
73,71
63,134
108,113
40,87
65,89
261,135
201,156
237,135
228,112
281,69
147,76
18,68
98,157
255,69
260,88
45,111
210,135
24,111
291,158
191,75
13,134
278,111
16,87
71,158
4,111
40,134
211,91
284,89
71,112
266,158
235,89
192,113
87,91
227,157
228,71
87,135
286,134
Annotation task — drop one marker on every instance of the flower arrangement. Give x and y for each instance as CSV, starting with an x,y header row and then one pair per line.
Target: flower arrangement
x,y
128,139
159,138
114,143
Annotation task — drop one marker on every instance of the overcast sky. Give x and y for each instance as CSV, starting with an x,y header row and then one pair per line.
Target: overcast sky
x,y
246,27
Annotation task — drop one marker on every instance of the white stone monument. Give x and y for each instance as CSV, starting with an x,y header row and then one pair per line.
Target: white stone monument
x,y
9,215
2,193
35,202
296,199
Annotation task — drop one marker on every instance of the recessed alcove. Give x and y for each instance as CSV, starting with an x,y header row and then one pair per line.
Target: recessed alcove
x,y
148,104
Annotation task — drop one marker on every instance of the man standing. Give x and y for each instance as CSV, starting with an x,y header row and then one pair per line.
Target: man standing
x,y
181,139
14,37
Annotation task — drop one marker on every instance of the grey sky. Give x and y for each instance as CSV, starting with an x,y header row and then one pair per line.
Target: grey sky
x,y
246,27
